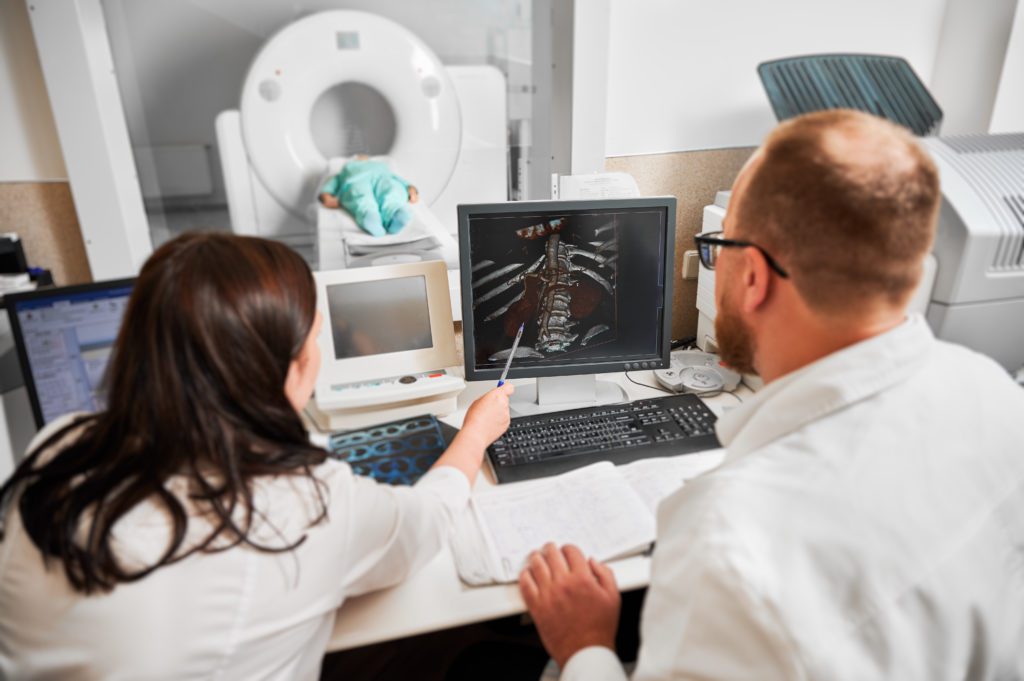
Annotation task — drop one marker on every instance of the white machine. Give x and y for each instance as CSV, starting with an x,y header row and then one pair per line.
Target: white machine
x,y
388,345
978,298
972,291
693,371
342,82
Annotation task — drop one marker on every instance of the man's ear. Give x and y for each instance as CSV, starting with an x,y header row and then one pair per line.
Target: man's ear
x,y
757,280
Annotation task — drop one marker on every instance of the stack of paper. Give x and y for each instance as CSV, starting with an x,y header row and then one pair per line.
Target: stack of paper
x,y
607,512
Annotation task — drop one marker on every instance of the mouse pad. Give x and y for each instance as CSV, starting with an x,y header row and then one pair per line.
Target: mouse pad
x,y
395,453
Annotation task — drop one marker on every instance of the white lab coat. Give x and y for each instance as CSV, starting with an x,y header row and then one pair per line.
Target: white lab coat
x,y
237,614
867,523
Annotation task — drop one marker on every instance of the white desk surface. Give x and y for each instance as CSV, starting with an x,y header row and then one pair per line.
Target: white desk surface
x,y
434,598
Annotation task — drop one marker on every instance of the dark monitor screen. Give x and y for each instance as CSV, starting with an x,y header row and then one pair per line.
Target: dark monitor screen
x,y
589,280
378,317
64,337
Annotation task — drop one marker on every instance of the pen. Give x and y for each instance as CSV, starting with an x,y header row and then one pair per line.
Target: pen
x,y
508,362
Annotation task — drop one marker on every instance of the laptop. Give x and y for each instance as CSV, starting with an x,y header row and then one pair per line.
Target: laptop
x,y
64,336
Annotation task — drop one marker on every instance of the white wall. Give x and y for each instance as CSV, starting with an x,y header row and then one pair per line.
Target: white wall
x,y
29,152
29,148
968,61
682,73
1008,109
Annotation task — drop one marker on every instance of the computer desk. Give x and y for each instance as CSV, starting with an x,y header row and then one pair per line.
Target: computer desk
x,y
434,598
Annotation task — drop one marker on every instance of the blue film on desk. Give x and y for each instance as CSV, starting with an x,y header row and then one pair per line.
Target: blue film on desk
x,y
395,453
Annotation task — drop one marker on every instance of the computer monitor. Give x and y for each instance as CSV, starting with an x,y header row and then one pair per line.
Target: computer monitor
x,y
64,336
591,281
386,339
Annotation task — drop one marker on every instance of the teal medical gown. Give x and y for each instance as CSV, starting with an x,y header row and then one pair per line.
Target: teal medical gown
x,y
376,197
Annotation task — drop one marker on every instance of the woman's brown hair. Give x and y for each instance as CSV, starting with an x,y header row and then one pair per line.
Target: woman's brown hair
x,y
195,388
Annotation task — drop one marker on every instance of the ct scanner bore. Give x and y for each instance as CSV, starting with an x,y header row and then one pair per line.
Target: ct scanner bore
x,y
352,118
319,52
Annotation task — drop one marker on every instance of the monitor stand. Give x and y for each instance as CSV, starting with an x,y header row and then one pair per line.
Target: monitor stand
x,y
558,393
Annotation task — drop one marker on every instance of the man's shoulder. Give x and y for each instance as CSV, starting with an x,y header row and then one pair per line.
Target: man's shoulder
x,y
952,359
960,377
744,504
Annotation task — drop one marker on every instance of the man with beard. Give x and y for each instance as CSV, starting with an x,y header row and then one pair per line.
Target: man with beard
x,y
868,519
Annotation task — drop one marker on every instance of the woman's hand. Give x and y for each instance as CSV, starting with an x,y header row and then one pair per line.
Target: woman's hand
x,y
329,200
414,194
486,420
488,417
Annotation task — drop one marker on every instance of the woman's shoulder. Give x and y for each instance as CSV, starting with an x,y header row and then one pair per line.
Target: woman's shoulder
x,y
326,484
58,434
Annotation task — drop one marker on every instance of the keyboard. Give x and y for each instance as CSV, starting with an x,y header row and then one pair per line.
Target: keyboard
x,y
549,444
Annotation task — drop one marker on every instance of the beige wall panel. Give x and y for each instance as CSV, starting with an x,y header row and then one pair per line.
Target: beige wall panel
x,y
43,215
693,177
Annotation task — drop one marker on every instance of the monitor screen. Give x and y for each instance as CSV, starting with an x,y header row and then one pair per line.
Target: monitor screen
x,y
381,323
379,317
65,337
586,279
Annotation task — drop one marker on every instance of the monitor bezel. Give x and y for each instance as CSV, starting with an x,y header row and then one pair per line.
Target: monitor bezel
x,y
11,301
661,360
441,354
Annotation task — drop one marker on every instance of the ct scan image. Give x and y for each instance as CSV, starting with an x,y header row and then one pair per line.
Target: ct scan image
x,y
563,278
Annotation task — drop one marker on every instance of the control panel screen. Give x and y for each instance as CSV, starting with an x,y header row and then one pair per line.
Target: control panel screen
x,y
379,317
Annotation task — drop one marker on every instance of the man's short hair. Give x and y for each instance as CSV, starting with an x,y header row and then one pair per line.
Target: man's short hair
x,y
847,203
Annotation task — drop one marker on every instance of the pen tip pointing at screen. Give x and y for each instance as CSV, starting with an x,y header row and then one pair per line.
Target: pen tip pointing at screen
x,y
511,354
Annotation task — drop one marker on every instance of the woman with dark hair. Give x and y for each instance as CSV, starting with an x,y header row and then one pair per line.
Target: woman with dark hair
x,y
191,530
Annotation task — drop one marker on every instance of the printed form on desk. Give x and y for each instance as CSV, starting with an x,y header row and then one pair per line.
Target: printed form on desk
x,y
607,511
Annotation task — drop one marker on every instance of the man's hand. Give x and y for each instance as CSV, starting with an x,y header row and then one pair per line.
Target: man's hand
x,y
414,194
329,200
573,600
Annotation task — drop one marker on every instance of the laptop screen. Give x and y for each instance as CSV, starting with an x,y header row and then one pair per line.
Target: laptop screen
x,y
64,338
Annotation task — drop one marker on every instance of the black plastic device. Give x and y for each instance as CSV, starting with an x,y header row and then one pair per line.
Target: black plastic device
x,y
591,280
553,443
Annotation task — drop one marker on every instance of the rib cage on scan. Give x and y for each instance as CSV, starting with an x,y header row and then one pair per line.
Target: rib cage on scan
x,y
558,277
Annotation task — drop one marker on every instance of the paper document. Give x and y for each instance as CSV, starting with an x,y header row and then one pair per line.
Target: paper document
x,y
607,512
598,186
655,479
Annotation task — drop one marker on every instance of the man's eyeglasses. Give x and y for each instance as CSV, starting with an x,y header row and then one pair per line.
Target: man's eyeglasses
x,y
711,244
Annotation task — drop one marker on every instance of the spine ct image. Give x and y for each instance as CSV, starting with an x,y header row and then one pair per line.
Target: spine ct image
x,y
571,281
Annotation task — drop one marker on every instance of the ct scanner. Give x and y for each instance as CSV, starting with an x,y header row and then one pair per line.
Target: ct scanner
x,y
441,128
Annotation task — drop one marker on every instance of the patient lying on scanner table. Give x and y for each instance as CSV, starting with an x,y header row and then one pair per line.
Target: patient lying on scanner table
x,y
377,198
